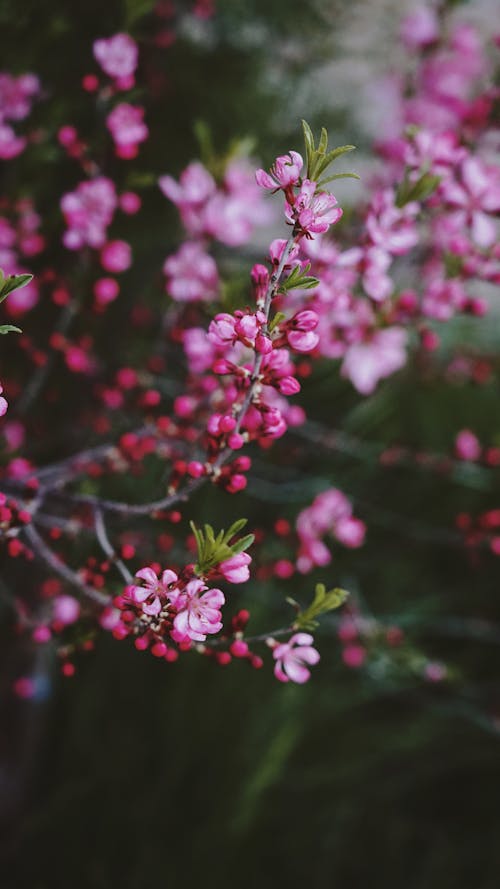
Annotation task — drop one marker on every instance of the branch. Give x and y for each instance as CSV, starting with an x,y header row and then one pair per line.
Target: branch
x,y
45,554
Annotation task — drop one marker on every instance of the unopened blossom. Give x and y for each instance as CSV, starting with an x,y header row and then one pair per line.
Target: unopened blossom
x,y
285,172
235,569
117,55
200,614
293,658
312,212
154,591
300,331
191,274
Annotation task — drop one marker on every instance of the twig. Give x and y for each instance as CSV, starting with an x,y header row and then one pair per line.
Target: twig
x,y
46,555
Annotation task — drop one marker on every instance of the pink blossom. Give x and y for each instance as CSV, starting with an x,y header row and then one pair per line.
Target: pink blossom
x,y
154,592
10,144
116,256
191,274
235,569
390,227
117,55
199,350
66,609
420,28
4,404
190,194
467,446
200,612
300,331
88,212
379,356
285,172
127,127
476,196
16,95
312,212
291,658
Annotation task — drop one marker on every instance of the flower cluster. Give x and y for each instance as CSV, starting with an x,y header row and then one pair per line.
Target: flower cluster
x,y
329,513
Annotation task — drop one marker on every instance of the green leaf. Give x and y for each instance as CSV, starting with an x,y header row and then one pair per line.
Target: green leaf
x,y
322,603
323,142
13,282
309,144
278,318
338,176
212,549
243,544
9,328
419,190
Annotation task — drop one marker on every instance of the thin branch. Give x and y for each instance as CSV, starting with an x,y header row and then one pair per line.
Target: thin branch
x,y
45,554
107,546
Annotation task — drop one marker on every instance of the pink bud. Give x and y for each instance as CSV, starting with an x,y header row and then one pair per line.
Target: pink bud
x,y
239,648
467,446
288,386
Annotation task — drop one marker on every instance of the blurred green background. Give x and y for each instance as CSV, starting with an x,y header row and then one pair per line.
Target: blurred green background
x,y
135,773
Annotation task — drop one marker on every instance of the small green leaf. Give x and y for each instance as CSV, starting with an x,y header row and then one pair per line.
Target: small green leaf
x,y
323,142
13,282
322,603
9,328
243,544
278,318
338,176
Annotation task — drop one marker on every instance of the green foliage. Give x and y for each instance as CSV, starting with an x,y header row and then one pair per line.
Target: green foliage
x,y
299,279
322,603
12,282
212,549
318,159
419,190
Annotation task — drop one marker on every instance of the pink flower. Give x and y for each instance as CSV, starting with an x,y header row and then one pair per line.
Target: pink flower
x,y
312,212
285,172
116,256
191,274
66,609
475,197
420,28
16,95
467,446
300,331
154,592
190,194
200,612
291,658
10,144
127,127
381,355
4,404
117,55
235,569
88,212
